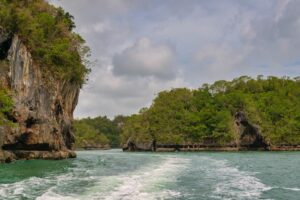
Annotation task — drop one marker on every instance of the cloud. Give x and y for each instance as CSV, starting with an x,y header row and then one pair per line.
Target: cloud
x,y
134,42
145,59
276,40
257,44
114,95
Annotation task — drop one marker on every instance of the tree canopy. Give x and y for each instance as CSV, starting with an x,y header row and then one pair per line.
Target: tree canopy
x,y
48,33
184,116
98,130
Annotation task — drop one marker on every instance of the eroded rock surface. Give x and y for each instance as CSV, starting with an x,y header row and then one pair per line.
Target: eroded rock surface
x,y
43,109
250,136
145,146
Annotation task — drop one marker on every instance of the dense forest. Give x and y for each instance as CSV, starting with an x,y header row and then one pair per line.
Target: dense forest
x,y
185,116
99,132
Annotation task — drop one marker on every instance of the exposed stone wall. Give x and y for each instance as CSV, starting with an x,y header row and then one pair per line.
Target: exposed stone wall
x,y
250,136
43,109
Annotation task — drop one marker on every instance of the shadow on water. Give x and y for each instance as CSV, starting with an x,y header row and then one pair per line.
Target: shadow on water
x,y
24,169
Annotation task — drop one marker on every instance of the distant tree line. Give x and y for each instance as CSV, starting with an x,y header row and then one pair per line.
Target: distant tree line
x,y
100,132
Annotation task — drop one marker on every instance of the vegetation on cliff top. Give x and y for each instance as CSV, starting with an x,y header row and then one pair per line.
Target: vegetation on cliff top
x,y
206,115
98,132
48,33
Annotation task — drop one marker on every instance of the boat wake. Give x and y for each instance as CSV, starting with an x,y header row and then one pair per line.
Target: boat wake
x,y
231,183
146,177
153,181
150,182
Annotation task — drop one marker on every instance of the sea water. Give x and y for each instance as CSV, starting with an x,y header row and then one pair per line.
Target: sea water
x,y
115,175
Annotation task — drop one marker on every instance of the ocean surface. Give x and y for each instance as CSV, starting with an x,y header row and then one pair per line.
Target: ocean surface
x,y
115,175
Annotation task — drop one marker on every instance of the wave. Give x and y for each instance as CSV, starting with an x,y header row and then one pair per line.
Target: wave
x,y
160,176
23,189
50,195
150,182
292,189
231,183
37,188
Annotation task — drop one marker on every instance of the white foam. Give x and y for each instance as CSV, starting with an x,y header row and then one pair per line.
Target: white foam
x,y
233,183
293,189
50,195
59,181
32,187
154,180
149,182
21,188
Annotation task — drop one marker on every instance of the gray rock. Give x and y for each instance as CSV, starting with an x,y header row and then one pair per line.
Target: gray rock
x,y
43,109
250,136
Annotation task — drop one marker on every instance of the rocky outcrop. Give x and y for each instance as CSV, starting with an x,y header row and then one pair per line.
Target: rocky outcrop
x,y
249,134
132,146
43,109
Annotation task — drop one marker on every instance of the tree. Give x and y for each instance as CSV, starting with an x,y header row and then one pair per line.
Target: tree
x,y
183,116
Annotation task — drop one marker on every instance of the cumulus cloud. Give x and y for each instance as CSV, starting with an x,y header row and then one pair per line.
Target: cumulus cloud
x,y
145,59
120,94
213,40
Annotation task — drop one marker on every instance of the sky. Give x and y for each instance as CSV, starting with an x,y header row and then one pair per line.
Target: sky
x,y
141,47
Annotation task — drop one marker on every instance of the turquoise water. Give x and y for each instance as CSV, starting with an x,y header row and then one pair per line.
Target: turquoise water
x,y
128,176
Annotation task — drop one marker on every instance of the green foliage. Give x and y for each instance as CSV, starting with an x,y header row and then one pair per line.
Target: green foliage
x,y
103,127
206,115
47,32
88,136
6,105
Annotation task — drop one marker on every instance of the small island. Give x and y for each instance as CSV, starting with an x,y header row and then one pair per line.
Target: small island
x,y
242,114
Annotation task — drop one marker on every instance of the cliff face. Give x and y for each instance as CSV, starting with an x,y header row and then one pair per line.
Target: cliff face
x,y
43,110
249,134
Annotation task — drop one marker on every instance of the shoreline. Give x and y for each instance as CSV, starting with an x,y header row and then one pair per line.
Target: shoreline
x,y
8,156
91,149
215,149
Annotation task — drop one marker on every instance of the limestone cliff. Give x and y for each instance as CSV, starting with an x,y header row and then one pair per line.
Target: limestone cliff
x,y
43,108
249,134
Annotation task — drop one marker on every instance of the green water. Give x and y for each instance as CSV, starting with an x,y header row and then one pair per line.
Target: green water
x,y
129,176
